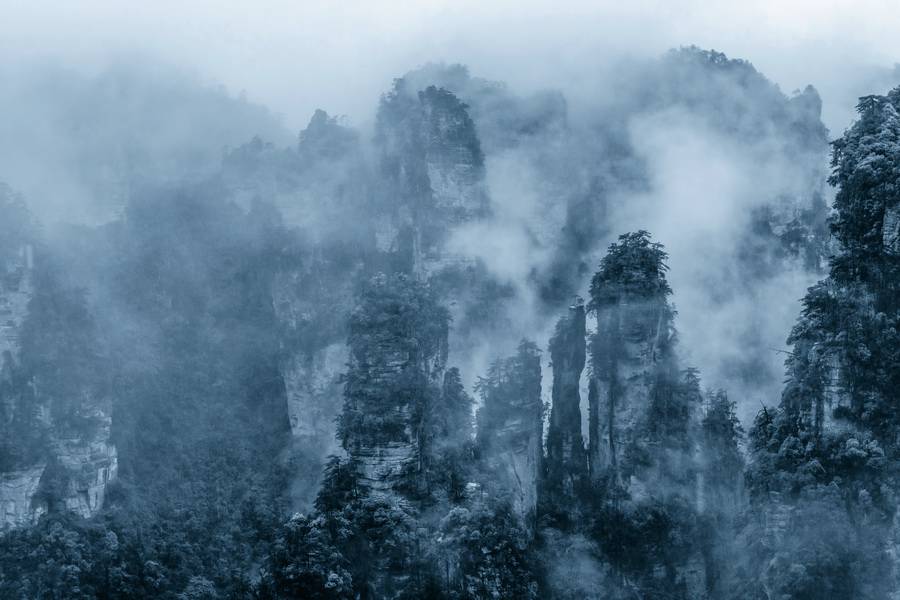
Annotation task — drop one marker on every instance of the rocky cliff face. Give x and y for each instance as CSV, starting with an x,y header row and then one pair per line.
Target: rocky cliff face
x,y
386,462
566,458
18,486
433,171
309,309
89,463
398,354
51,466
314,186
312,383
504,120
510,428
629,350
18,490
15,292
532,152
310,312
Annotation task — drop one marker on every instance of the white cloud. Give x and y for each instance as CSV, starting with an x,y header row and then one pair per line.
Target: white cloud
x,y
296,56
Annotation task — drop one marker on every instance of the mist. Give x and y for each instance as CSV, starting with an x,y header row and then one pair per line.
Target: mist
x,y
269,69
295,57
447,300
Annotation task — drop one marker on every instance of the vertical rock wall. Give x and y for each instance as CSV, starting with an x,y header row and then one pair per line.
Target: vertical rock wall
x,y
84,462
433,170
19,486
18,506
398,355
315,355
510,428
90,462
566,458
15,292
628,348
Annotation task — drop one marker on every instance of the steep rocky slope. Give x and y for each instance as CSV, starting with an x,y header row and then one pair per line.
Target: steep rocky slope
x,y
57,454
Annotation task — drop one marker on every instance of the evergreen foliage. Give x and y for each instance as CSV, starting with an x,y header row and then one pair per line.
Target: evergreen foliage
x,y
633,266
398,345
825,455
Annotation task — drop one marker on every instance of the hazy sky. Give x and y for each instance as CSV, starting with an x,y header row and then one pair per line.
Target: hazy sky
x,y
296,55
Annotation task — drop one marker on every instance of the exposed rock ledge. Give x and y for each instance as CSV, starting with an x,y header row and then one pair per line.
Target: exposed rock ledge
x,y
17,497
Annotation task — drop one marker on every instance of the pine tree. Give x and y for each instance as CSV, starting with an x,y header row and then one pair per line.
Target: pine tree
x,y
822,455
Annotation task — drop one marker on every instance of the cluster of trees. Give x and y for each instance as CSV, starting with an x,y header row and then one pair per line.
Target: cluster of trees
x,y
822,474
183,344
403,514
422,508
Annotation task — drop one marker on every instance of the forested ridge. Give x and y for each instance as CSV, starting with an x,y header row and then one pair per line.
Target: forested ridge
x,y
445,358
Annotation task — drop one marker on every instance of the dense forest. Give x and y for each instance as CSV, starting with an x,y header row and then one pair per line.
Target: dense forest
x,y
453,355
